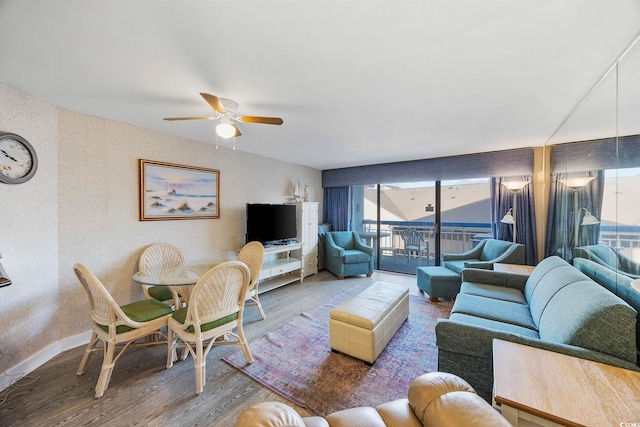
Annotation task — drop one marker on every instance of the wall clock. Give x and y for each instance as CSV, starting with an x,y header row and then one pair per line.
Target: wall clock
x,y
18,160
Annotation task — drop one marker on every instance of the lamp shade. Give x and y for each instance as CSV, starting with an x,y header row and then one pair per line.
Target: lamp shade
x,y
589,219
577,182
508,218
515,185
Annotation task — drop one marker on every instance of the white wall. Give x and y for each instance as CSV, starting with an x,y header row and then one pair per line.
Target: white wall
x,y
82,206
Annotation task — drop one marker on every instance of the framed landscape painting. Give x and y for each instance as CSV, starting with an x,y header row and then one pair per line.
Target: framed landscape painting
x,y
170,191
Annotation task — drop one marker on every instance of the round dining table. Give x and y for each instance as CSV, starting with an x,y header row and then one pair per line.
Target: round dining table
x,y
186,273
179,277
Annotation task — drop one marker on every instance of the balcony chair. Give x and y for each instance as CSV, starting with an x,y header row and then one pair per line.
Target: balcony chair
x,y
252,254
347,255
485,254
117,326
214,311
610,258
414,241
155,258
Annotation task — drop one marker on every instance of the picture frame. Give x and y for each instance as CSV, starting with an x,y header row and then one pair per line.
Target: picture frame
x,y
170,191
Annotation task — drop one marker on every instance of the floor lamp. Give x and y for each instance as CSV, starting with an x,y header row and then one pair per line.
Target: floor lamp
x,y
576,184
510,217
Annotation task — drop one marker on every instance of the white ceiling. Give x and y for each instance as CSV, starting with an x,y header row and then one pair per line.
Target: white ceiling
x,y
356,82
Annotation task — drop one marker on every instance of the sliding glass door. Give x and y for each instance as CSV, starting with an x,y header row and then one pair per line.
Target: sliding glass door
x,y
401,220
397,219
466,214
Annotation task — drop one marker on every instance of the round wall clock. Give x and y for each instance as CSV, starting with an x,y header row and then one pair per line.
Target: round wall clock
x,y
18,161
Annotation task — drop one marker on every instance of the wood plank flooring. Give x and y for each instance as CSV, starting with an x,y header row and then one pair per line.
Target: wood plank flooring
x,y
143,393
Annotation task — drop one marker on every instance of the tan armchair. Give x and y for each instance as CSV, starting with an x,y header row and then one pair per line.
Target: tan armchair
x,y
435,399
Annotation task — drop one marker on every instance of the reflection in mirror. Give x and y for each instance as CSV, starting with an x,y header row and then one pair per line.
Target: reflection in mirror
x,y
600,140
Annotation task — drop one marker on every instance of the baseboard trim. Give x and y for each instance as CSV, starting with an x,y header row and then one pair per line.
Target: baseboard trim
x,y
30,364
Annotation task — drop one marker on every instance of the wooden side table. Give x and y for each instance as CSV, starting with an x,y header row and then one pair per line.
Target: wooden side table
x,y
513,268
538,387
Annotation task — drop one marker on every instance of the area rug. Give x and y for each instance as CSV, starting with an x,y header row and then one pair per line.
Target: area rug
x,y
295,359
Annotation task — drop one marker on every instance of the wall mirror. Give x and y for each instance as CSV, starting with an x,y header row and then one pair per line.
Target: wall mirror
x,y
592,167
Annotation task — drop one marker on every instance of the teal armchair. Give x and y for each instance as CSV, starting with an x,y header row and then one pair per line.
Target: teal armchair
x,y
487,253
346,254
610,258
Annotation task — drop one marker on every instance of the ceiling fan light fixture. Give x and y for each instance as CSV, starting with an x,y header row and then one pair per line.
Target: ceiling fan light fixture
x,y
226,130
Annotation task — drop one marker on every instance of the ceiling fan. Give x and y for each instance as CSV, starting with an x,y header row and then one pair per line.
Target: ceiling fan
x,y
226,112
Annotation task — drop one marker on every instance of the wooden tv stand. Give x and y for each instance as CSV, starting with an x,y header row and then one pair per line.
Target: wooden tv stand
x,y
282,265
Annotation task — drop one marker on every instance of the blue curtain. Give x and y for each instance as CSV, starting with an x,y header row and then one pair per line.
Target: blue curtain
x,y
502,201
561,220
337,208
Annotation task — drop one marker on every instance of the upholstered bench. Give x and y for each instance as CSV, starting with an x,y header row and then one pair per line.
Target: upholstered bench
x,y
363,325
438,282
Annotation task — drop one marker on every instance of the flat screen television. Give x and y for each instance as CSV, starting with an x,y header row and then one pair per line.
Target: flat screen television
x,y
271,223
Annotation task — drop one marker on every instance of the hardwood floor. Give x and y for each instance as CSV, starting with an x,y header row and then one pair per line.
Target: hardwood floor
x,y
143,393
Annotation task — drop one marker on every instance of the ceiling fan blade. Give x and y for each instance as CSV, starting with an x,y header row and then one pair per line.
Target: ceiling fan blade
x,y
264,120
215,102
237,130
189,118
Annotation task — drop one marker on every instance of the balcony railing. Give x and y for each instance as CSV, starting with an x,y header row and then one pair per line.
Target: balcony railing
x,y
460,237
454,237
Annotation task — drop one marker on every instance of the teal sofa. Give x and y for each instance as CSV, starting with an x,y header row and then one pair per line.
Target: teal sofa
x,y
619,284
609,257
485,254
346,254
556,308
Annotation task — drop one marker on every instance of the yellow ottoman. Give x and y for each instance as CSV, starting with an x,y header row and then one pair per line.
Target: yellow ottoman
x,y
363,326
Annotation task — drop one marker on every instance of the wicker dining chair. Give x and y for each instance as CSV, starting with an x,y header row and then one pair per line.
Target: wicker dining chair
x,y
117,326
155,258
214,311
252,254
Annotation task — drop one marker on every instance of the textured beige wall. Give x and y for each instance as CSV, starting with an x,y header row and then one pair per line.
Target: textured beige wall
x,y
28,234
82,206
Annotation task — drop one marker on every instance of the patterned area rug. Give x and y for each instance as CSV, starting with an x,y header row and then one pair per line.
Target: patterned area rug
x,y
295,359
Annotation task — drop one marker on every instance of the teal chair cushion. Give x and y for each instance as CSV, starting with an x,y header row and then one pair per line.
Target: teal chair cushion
x,y
181,314
354,256
161,293
141,311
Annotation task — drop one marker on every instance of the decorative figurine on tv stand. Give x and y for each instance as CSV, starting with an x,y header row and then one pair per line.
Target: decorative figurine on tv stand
x,y
306,194
296,193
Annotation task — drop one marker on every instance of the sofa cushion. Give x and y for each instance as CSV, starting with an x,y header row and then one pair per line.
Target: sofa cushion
x,y
398,413
362,416
354,256
499,310
494,325
545,280
615,282
493,291
542,269
440,399
270,414
458,266
584,314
